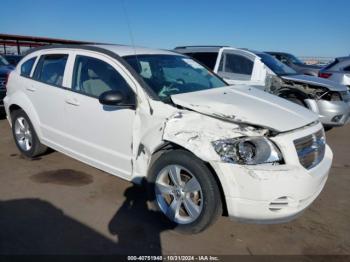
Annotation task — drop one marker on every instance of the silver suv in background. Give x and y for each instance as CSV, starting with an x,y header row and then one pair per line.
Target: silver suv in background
x,y
295,63
330,100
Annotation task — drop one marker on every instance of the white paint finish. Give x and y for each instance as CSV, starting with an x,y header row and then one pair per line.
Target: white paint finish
x,y
269,182
122,142
247,105
99,132
123,50
259,70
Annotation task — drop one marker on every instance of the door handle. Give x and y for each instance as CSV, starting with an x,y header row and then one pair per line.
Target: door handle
x,y
72,101
31,89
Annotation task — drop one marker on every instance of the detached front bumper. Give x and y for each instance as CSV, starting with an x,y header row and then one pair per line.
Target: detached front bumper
x,y
331,113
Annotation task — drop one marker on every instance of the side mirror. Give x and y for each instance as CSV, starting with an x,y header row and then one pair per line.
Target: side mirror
x,y
112,98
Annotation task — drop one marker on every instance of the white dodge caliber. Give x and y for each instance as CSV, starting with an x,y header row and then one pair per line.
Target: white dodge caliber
x,y
204,147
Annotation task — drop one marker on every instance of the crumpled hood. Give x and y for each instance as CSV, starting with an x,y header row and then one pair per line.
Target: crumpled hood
x,y
312,80
244,104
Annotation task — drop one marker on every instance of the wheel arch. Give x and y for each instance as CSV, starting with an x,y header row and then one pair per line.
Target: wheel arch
x,y
20,101
168,146
291,92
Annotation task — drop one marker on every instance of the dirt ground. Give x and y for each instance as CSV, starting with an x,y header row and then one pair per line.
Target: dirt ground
x,y
56,205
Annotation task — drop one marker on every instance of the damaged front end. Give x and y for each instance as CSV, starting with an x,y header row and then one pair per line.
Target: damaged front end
x,y
331,103
200,134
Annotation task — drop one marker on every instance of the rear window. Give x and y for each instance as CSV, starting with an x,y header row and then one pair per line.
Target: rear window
x,y
27,66
336,61
207,59
50,69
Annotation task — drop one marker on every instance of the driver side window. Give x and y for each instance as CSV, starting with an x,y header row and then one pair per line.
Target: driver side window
x,y
93,77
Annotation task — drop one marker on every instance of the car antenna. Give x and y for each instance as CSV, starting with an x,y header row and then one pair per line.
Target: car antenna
x,y
133,46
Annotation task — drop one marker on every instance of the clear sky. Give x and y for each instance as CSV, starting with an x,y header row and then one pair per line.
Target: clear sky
x,y
305,28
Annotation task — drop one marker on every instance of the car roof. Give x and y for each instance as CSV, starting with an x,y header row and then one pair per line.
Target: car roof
x,y
124,50
276,53
120,50
198,49
343,58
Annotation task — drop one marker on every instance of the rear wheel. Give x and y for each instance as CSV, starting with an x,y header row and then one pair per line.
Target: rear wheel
x,y
25,136
185,191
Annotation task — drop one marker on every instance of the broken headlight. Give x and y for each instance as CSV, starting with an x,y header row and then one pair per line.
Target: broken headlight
x,y
247,150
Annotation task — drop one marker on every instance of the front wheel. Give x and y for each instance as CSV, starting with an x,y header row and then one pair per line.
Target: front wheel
x,y
185,191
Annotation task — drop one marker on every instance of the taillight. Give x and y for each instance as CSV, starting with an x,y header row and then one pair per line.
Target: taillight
x,y
324,75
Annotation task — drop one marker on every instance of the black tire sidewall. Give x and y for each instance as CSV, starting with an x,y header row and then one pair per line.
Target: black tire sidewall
x,y
212,204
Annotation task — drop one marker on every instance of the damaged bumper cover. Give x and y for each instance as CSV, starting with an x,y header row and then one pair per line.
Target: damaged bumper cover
x,y
273,193
331,113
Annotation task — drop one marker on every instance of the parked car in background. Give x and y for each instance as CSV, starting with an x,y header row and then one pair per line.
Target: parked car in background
x,y
338,71
330,100
295,63
202,145
5,69
13,59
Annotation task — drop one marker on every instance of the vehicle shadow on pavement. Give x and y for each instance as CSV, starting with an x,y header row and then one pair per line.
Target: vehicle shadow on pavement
x,y
2,115
137,227
33,226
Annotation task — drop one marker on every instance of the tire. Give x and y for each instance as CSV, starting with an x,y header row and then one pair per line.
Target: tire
x,y
199,203
25,136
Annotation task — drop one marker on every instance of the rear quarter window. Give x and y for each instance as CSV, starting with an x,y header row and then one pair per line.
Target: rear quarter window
x,y
27,66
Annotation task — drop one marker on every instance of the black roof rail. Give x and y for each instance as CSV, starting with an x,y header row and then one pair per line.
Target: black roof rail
x,y
200,46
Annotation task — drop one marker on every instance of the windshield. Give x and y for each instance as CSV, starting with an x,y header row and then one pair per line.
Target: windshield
x,y
3,61
172,74
275,65
294,59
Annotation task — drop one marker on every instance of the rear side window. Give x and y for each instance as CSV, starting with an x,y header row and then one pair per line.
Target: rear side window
x,y
27,66
207,59
50,69
93,77
235,66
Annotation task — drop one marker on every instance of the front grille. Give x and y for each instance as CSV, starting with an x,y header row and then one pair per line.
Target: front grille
x,y
311,149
